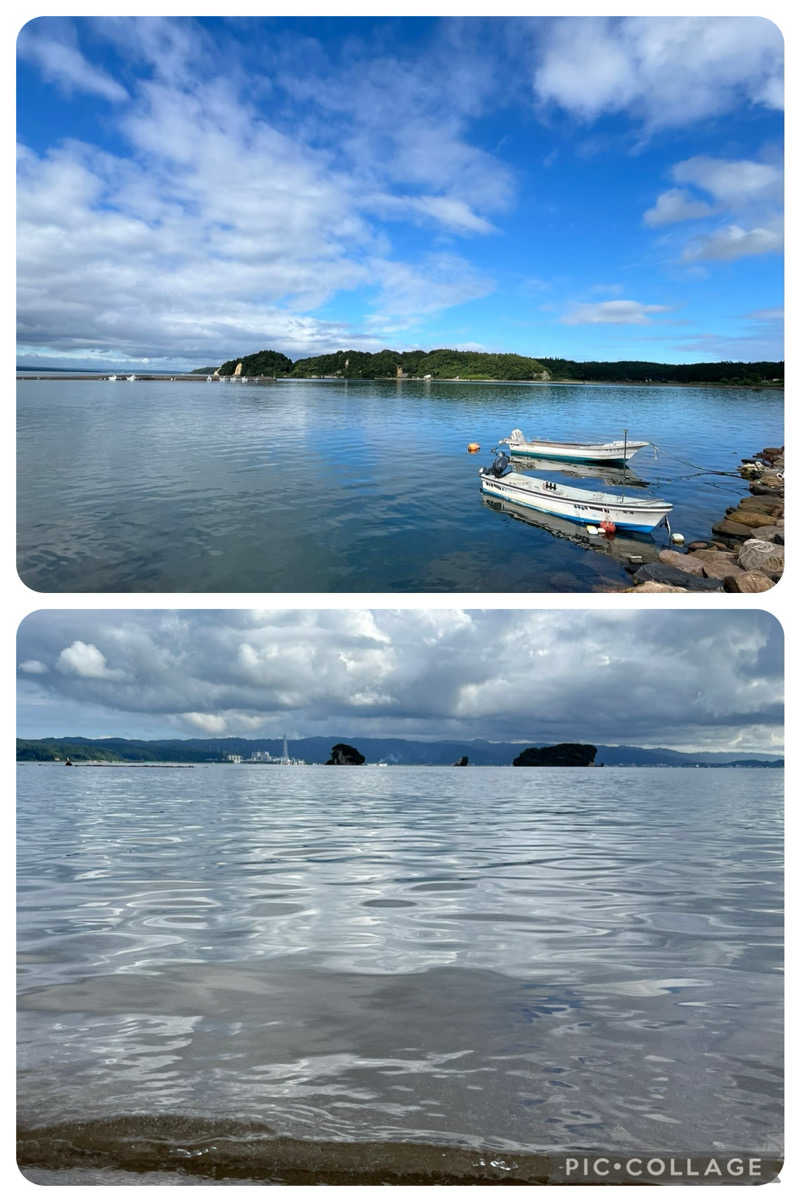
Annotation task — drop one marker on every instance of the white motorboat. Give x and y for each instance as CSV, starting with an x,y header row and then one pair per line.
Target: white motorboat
x,y
576,452
577,504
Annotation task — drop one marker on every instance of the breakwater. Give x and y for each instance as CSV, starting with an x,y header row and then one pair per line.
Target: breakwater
x,y
745,552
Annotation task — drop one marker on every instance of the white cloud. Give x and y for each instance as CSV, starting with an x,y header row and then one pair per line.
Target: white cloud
x,y
658,676
745,347
84,659
615,312
210,724
448,212
733,183
771,94
676,205
62,63
760,339
439,281
34,667
734,242
766,315
404,119
749,190
224,231
666,71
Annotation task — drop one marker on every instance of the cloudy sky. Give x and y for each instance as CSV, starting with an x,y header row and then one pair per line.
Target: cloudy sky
x,y
195,189
694,680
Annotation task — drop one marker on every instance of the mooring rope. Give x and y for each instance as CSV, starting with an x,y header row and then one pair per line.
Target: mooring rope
x,y
699,470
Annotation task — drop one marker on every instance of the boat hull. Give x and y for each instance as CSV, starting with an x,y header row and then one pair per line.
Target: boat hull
x,y
611,454
582,508
617,475
627,546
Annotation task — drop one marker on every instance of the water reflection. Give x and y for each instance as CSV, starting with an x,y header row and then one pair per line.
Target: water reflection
x,y
329,486
599,473
537,959
625,548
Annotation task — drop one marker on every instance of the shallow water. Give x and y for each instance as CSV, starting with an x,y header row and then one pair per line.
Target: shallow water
x,y
531,961
343,487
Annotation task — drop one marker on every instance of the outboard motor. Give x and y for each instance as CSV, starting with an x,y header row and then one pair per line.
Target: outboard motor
x,y
500,466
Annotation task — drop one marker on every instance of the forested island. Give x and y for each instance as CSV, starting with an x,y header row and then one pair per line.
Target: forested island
x,y
562,755
449,364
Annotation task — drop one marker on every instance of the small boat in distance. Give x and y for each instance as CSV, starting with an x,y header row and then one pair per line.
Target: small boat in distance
x,y
130,377
577,452
577,504
112,377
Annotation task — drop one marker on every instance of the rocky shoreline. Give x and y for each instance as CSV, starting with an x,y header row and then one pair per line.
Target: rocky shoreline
x,y
745,552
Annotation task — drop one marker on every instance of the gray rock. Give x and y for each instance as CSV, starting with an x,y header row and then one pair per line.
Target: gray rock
x,y
765,490
757,555
664,573
763,504
770,534
655,586
685,563
717,564
721,566
732,529
718,551
750,517
748,582
343,753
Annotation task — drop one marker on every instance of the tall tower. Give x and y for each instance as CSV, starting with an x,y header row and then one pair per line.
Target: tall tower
x,y
285,756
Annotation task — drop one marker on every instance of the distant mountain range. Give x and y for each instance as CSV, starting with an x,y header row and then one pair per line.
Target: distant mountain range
x,y
316,750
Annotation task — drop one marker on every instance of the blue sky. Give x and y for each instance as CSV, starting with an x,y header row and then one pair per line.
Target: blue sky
x,y
195,189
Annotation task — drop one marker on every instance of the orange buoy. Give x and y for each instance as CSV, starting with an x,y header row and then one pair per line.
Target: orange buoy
x,y
472,447
608,527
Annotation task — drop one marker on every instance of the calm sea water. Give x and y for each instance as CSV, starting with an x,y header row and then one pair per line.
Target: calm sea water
x,y
525,960
342,487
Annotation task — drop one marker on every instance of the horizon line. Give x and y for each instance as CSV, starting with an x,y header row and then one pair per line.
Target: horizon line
x,y
396,738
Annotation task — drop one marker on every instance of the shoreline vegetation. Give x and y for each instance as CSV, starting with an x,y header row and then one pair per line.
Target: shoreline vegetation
x,y
449,364
388,752
464,367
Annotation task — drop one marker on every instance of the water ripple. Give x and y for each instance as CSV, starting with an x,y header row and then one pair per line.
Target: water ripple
x,y
584,958
329,486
